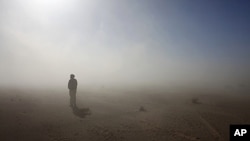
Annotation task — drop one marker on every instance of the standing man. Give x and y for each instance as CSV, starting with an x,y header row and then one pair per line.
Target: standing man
x,y
72,85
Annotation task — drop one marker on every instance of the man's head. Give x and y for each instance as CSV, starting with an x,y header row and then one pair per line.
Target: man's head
x,y
72,76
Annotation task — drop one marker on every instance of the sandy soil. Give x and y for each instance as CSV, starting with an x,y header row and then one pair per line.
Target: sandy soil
x,y
124,116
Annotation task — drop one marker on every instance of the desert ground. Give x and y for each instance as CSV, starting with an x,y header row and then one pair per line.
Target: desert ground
x,y
108,115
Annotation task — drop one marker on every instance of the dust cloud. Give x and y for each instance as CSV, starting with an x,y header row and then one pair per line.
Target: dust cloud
x,y
43,42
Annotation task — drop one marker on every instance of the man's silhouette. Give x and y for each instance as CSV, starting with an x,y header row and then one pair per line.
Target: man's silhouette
x,y
72,85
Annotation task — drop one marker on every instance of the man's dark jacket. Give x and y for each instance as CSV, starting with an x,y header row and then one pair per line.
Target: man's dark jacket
x,y
72,85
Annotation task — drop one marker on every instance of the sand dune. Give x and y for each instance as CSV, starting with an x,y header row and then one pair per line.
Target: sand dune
x,y
107,116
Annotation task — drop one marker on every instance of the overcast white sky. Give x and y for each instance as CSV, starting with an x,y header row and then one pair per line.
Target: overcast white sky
x,y
106,42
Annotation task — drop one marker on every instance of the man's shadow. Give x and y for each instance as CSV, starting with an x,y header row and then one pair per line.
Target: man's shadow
x,y
81,112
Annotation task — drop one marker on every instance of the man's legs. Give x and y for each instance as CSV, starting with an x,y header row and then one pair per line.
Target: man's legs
x,y
74,98
72,94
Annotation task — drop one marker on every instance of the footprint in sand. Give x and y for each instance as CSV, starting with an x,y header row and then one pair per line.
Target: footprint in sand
x,y
196,101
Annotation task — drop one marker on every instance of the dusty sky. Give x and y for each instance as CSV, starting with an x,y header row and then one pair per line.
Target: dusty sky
x,y
124,42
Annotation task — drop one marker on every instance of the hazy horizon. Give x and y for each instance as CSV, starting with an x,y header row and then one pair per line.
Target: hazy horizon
x,y
124,43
